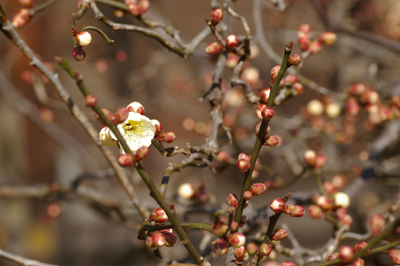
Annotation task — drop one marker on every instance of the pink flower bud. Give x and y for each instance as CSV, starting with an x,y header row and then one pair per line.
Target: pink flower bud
x,y
159,215
369,96
259,109
220,247
305,28
126,160
265,95
320,161
258,189
329,187
341,212
376,223
346,254
324,202
167,137
236,240
291,79
78,54
328,38
170,238
315,47
315,212
136,108
358,262
265,249
243,165
232,200
346,220
21,18
297,89
216,16
149,244
243,221
310,157
83,38
356,89
266,130
121,114
157,125
106,138
243,156
214,48
287,263
294,210
26,3
304,41
234,226
232,41
271,141
239,252
339,181
157,239
279,234
277,205
359,246
251,248
267,113
142,153
275,71
294,60
247,195
352,106
90,100
219,228
394,254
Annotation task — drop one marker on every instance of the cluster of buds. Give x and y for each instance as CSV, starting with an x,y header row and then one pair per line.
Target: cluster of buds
x,y
314,46
336,204
21,18
316,161
136,8
158,239
270,141
235,240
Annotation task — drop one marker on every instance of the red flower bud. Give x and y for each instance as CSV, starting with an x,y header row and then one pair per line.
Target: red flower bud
x,y
315,47
243,156
294,210
236,240
358,262
305,28
243,165
234,226
232,41
159,215
294,60
315,212
216,16
266,130
346,220
121,114
170,238
220,247
142,153
78,54
376,223
90,100
259,109
251,248
214,48
265,95
291,79
271,141
287,263
232,200
127,159
26,3
258,189
346,254
277,205
239,252
267,113
265,249
320,161
275,71
358,247
324,202
328,38
279,234
247,195
167,137
394,254
219,229
304,41
329,187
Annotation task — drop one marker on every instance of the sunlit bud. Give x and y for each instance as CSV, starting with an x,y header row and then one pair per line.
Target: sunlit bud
x,y
339,181
106,138
320,161
265,95
369,96
315,107
324,202
220,247
334,256
232,200
315,212
216,16
247,195
304,41
277,205
394,254
239,252
305,28
358,262
346,220
294,60
78,54
127,159
243,165
352,106
258,189
90,100
243,156
170,239
297,89
271,141
329,187
287,263
167,137
159,215
232,41
26,3
259,109
346,254
121,114
315,47
234,226
243,221
142,153
294,210
266,130
83,38
310,157
341,199
358,247
265,249
279,234
186,191
267,113
328,38
136,108
395,101
157,239
157,126
376,223
236,240
333,109
214,48
275,71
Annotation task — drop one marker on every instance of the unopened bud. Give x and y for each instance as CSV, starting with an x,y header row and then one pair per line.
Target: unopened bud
x,y
341,199
304,41
267,113
265,95
320,161
186,191
26,3
297,89
247,195
136,108
359,246
305,28
251,248
265,249
223,157
216,16
78,54
376,223
271,141
266,130
127,159
324,202
239,252
170,238
232,41
287,263
291,79
236,240
243,165
157,126
315,107
168,136
394,254
277,205
83,38
315,212
328,38
275,71
142,153
106,138
232,200
259,109
243,221
346,220
339,181
219,229
121,114
214,48
315,47
346,254
234,226
310,157
279,234
159,215
90,100
258,189
294,60
329,187
220,247
294,210
243,156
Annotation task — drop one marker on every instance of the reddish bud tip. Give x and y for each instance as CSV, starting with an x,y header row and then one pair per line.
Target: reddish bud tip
x,y
376,223
239,252
236,240
346,254
220,247
265,249
243,156
294,60
271,141
247,195
277,205
167,137
267,113
170,238
78,54
243,165
121,114
265,95
159,215
232,200
127,159
305,28
136,108
279,234
328,38
294,210
359,246
394,254
142,153
90,100
216,16
214,48
157,125
258,189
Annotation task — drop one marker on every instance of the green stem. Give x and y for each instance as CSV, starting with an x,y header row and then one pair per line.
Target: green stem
x,y
105,37
42,6
318,181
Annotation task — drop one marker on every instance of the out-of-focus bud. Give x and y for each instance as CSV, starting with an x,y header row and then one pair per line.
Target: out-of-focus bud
x,y
170,238
251,248
219,228
90,100
159,215
78,54
243,221
356,89
294,60
251,75
265,95
232,200
304,41
287,263
136,107
305,28
329,187
243,165
267,113
118,13
167,137
315,212
214,48
279,234
310,157
359,246
271,141
266,130
376,223
243,156
186,191
232,60
127,159
157,126
328,38
294,210
26,3
369,96
259,109
106,138
220,247
332,109
352,106
83,38
240,252
394,254
324,202
341,199
142,153
291,79
258,189
339,181
121,114
21,18
315,47
346,220
234,226
236,240
275,71
265,249
395,101
315,107
334,256
277,205
216,16
223,157
341,212
232,41
320,161
297,89
247,195
358,262
346,254
157,239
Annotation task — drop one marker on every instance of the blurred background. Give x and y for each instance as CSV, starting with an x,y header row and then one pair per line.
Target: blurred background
x,y
41,143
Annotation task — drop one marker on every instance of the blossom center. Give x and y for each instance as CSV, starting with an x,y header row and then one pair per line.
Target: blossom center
x,y
133,129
